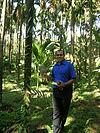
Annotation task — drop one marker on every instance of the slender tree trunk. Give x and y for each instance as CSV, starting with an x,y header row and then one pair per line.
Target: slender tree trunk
x,y
86,45
61,26
85,61
1,68
19,51
1,47
80,43
90,45
72,27
42,8
11,38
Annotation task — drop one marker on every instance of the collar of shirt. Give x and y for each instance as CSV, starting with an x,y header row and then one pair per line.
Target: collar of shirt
x,y
63,62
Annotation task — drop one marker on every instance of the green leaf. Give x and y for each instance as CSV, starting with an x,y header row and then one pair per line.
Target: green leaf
x,y
45,45
35,50
52,45
20,129
96,34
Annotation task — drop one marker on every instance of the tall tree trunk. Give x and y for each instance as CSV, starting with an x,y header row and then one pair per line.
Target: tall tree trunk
x,y
11,38
28,60
61,26
28,44
1,68
80,42
19,54
85,61
90,45
72,27
86,45
1,47
19,44
42,8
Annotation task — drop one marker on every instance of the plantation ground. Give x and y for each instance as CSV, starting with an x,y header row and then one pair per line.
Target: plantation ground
x,y
84,114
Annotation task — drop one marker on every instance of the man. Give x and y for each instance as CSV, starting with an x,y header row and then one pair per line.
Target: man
x,y
63,75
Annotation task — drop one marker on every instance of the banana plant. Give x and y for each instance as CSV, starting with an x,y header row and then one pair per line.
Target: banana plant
x,y
42,56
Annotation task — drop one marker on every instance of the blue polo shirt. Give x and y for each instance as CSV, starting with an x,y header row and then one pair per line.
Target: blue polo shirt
x,y
63,71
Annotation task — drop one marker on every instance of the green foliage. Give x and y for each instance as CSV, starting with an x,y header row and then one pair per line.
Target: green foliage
x,y
35,50
6,63
40,51
41,57
97,34
6,120
83,115
45,44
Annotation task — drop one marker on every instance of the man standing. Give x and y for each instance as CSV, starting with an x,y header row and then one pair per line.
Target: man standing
x,y
63,75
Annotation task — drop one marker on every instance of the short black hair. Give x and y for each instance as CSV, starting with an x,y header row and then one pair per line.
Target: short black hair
x,y
60,49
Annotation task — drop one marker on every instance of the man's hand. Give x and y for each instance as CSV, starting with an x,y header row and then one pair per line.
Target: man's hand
x,y
60,85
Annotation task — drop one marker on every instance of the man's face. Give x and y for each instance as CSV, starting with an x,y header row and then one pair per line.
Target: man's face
x,y
59,56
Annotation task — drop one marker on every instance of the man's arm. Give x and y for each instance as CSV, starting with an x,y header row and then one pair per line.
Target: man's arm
x,y
70,82
61,84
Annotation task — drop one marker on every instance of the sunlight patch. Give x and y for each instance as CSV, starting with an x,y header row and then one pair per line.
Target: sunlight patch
x,y
9,86
48,128
96,93
69,120
81,97
87,93
36,117
75,96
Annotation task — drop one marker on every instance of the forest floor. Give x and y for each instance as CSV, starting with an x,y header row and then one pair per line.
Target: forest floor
x,y
84,113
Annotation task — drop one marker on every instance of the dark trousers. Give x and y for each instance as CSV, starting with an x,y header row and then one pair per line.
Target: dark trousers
x,y
60,111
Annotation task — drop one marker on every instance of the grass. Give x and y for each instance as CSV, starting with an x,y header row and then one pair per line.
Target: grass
x,y
84,115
